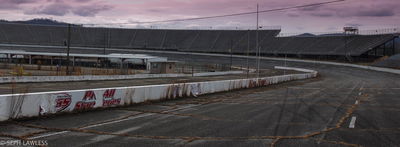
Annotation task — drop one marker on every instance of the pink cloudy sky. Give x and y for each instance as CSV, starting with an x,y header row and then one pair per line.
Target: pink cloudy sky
x,y
366,14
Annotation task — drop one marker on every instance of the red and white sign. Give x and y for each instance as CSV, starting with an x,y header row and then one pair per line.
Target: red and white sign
x,y
88,101
109,98
63,100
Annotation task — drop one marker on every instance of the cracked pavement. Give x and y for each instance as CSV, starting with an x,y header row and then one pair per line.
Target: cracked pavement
x,y
313,112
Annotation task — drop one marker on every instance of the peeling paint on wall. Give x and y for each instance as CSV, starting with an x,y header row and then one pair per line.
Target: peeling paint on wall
x,y
14,106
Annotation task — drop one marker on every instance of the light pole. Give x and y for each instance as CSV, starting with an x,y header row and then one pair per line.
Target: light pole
x,y
257,47
109,38
230,51
248,50
68,47
105,41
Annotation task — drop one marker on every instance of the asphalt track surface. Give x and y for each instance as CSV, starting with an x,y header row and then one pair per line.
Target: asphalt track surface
x,y
343,107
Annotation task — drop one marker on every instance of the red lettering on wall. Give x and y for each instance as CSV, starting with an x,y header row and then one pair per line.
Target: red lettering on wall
x,y
109,93
89,95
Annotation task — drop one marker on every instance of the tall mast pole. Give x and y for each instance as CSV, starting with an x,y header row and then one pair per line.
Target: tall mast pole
x,y
248,50
257,47
68,47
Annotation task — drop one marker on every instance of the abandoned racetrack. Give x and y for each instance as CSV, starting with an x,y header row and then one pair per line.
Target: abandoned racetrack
x,y
315,112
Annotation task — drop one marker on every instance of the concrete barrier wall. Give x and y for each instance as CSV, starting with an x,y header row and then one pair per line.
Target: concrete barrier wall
x,y
202,74
295,69
15,106
37,79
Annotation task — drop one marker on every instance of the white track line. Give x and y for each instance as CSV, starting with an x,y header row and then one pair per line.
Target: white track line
x,y
352,122
101,138
47,135
92,126
107,123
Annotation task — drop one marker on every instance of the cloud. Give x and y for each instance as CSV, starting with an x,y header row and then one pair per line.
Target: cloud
x,y
315,18
376,13
19,1
351,12
311,8
370,10
293,15
90,10
13,4
353,24
83,1
322,14
56,9
86,8
367,12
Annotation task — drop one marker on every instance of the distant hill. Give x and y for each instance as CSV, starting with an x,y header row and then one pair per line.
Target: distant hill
x,y
333,34
39,21
306,35
313,35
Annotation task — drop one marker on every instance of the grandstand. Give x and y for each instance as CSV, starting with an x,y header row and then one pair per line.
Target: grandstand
x,y
183,40
208,41
353,45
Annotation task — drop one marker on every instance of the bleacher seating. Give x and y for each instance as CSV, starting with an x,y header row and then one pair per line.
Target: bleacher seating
x,y
353,45
215,41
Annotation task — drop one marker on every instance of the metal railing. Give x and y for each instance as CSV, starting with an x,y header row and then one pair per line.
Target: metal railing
x,y
198,68
163,27
383,31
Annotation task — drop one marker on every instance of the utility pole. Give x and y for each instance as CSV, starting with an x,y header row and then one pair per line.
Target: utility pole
x,y
68,47
248,50
230,50
345,45
257,47
109,38
105,41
